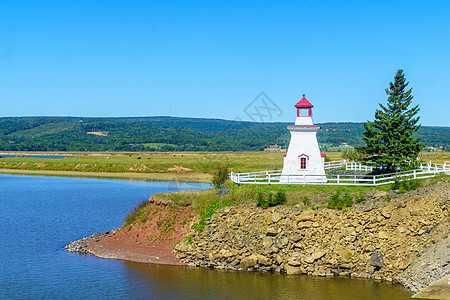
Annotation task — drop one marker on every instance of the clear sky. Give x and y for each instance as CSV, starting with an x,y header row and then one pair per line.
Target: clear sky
x,y
211,59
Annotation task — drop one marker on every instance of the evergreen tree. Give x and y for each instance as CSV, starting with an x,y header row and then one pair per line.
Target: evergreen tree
x,y
389,139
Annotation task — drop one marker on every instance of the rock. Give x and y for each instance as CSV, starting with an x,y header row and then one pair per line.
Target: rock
x,y
401,229
293,262
376,260
385,213
267,241
344,253
380,194
314,256
416,212
279,259
276,217
383,235
290,270
345,266
249,261
303,225
307,215
297,238
262,260
284,241
271,231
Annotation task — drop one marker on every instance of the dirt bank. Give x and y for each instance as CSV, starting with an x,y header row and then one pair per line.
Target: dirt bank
x,y
150,239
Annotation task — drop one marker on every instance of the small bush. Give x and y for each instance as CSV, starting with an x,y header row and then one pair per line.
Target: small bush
x,y
339,202
306,201
268,200
280,198
261,201
405,185
220,175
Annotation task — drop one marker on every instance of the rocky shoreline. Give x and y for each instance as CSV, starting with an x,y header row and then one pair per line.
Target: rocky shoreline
x,y
81,246
396,240
399,238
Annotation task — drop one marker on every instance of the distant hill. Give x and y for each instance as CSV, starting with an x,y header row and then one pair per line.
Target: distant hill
x,y
172,134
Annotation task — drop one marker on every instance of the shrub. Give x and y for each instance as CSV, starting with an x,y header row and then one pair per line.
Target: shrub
x,y
220,175
268,200
280,198
405,185
261,201
339,202
306,201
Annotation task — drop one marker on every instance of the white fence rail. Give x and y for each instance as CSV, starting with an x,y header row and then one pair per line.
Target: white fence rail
x,y
357,166
275,177
333,165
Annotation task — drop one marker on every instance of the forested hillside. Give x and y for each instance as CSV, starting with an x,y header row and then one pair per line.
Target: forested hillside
x,y
171,134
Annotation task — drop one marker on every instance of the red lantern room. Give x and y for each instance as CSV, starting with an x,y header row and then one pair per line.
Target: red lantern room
x,y
303,104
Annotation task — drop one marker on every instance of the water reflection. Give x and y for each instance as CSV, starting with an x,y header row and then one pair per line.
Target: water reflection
x,y
153,281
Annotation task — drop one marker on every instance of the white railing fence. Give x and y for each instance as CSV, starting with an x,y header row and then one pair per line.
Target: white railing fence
x,y
333,165
357,166
275,177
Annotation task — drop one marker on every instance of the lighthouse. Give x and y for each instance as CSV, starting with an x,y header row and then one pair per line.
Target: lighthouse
x,y
303,162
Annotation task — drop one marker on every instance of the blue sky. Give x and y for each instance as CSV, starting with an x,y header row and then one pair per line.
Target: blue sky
x,y
211,59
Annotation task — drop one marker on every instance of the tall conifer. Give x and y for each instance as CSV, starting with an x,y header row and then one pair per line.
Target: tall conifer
x,y
390,141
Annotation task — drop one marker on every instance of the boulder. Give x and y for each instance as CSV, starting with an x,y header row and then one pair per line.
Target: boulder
x,y
385,213
262,260
307,215
294,262
267,241
249,261
314,256
271,231
344,253
290,270
276,217
376,260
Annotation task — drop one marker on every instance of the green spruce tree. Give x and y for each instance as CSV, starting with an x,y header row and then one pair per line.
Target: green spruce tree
x,y
389,139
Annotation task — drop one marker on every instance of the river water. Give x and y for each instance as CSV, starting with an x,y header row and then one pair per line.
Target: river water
x,y
40,215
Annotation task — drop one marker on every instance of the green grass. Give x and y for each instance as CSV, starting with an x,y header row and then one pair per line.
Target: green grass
x,y
195,162
162,162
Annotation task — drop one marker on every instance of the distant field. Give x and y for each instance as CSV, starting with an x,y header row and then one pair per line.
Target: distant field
x,y
173,164
436,157
157,145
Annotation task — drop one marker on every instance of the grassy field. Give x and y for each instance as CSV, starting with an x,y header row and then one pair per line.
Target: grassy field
x,y
185,166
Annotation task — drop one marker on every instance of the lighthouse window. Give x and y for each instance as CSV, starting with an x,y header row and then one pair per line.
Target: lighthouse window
x,y
303,112
302,162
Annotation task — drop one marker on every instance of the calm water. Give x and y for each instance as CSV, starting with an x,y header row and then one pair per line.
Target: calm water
x,y
40,215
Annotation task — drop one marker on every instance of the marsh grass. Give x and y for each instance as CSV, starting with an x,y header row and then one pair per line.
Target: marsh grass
x,y
137,213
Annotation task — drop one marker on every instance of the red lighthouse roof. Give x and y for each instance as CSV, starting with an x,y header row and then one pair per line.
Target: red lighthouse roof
x,y
303,103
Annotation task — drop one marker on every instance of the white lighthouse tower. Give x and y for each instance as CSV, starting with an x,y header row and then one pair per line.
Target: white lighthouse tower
x,y
303,162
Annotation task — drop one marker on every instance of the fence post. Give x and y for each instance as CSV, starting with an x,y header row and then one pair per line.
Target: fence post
x,y
415,174
354,179
374,181
269,178
304,180
338,179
